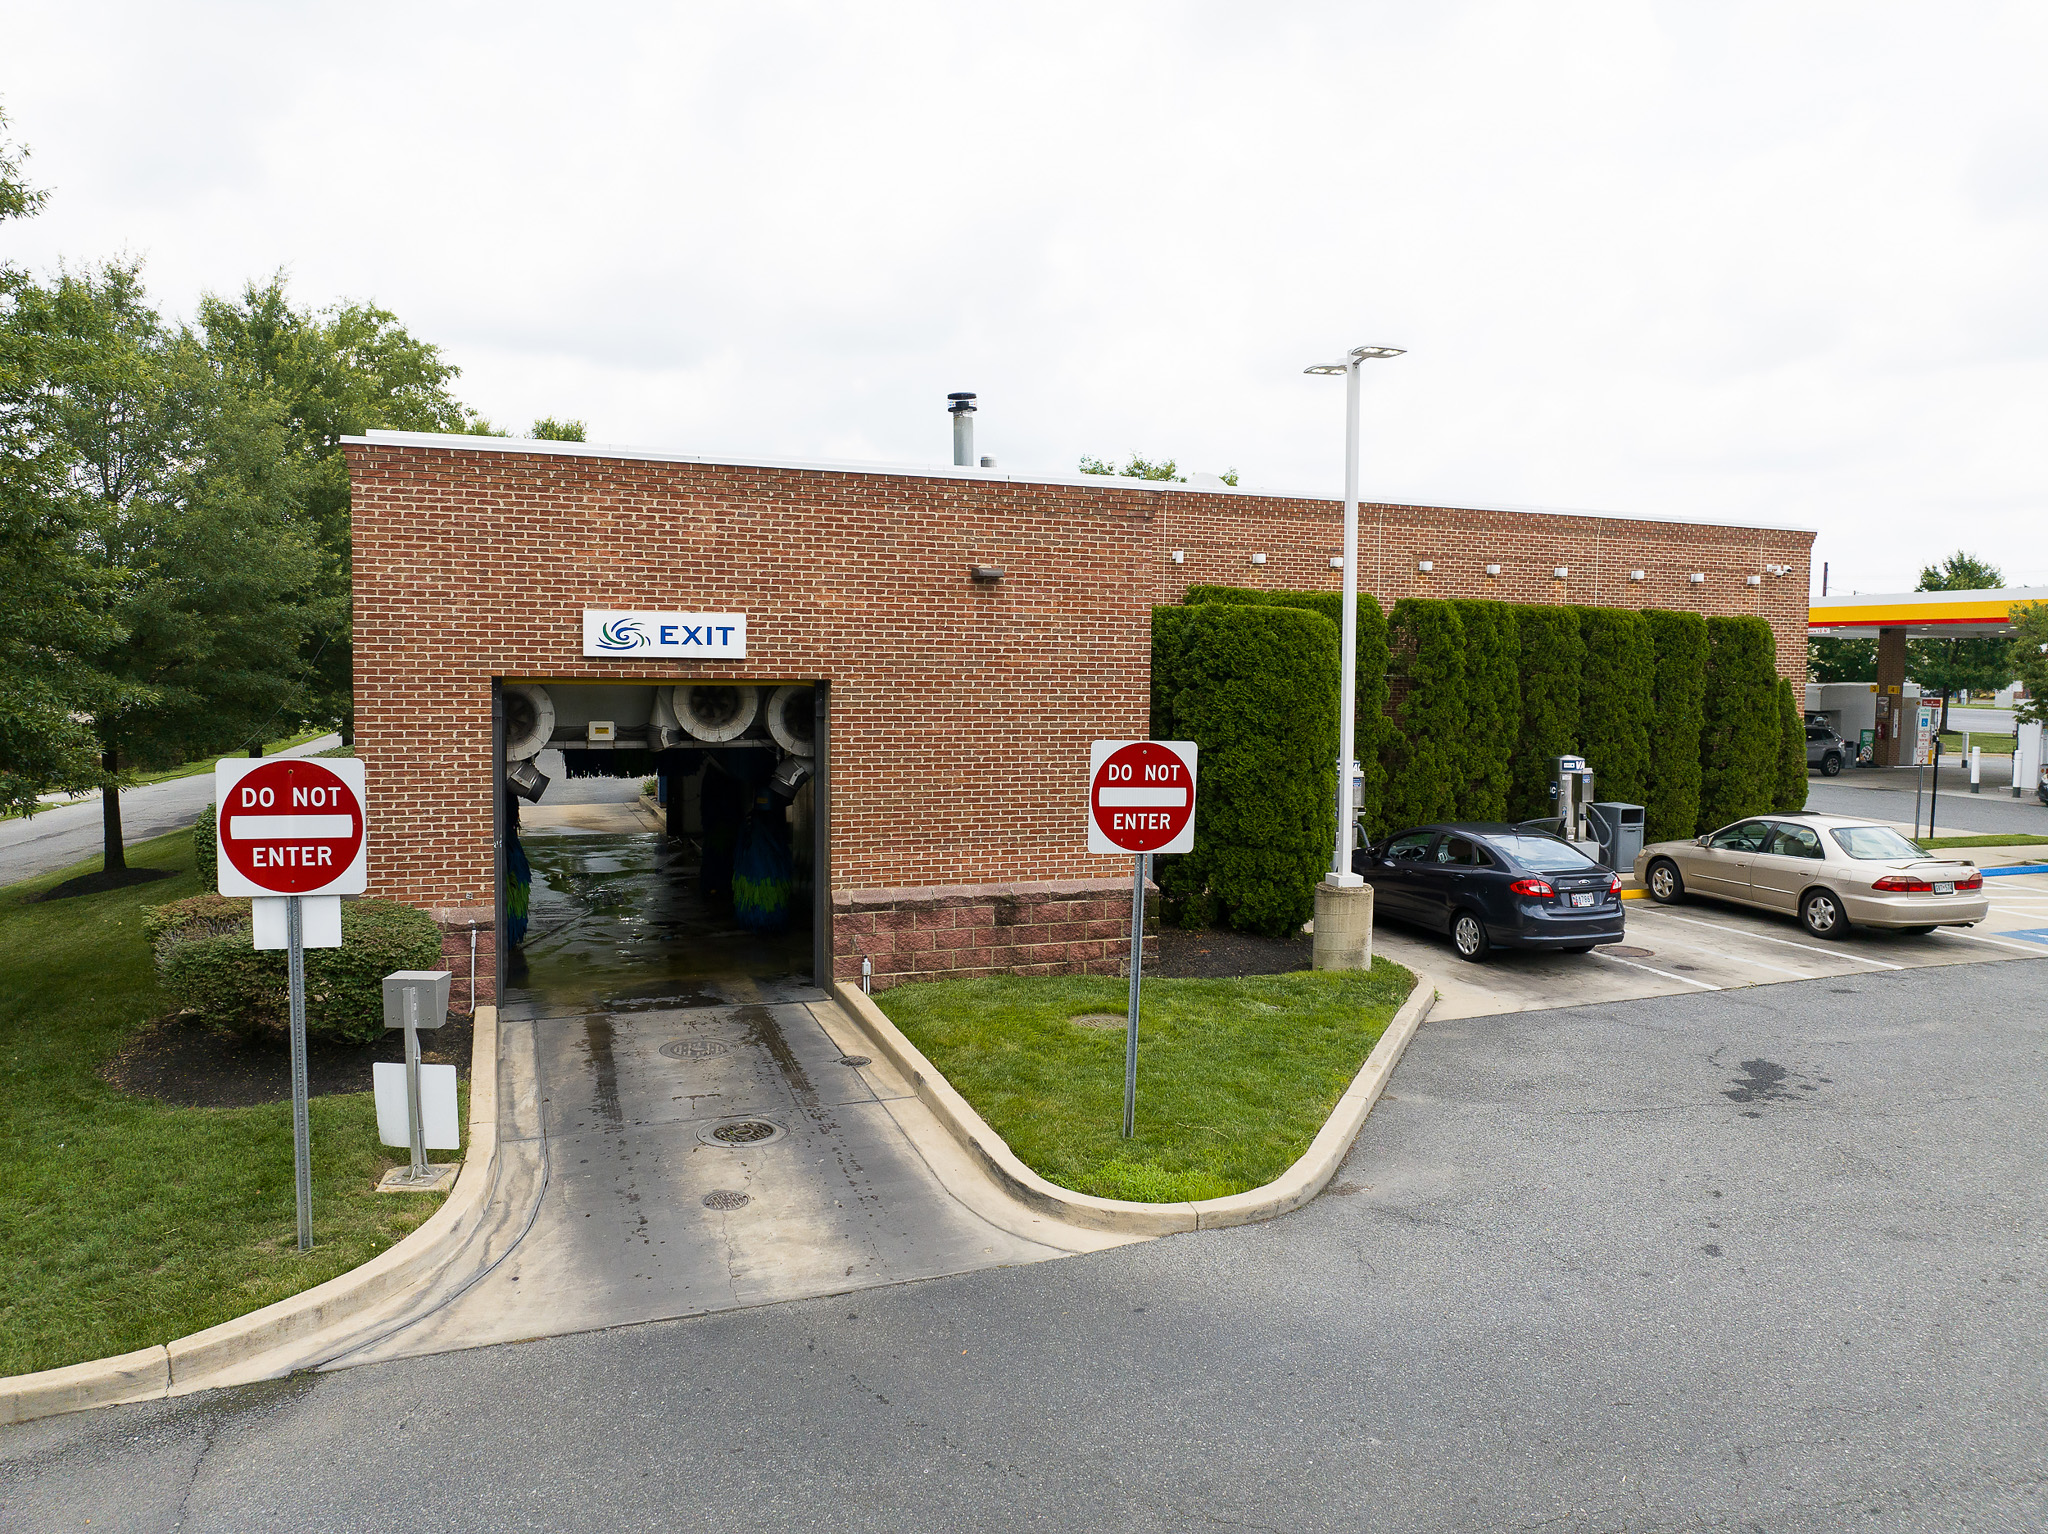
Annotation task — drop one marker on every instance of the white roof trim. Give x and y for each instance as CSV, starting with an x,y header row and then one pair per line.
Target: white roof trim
x,y
460,442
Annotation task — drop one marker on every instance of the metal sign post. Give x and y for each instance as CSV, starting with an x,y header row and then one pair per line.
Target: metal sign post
x,y
302,1132
412,1085
1141,799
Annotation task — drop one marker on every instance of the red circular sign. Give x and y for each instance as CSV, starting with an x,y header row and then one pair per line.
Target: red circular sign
x,y
291,826
1143,796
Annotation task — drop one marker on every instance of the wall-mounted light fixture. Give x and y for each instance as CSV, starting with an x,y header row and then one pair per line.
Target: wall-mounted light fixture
x,y
1336,561
1562,571
1180,556
1425,565
1635,575
1493,569
1698,578
1258,559
1779,569
1753,580
988,575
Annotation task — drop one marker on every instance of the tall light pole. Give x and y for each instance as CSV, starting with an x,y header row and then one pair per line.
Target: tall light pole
x,y
1347,723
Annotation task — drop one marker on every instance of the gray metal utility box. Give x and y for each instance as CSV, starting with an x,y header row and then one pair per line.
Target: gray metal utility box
x,y
1619,828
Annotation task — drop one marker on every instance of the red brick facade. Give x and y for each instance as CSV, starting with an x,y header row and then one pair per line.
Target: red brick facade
x,y
1052,927
961,712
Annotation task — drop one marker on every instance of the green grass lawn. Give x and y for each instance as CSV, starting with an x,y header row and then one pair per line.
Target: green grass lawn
x,y
1234,1076
123,1221
1997,839
1958,742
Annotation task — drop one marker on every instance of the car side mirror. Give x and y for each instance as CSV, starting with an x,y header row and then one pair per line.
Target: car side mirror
x,y
1701,841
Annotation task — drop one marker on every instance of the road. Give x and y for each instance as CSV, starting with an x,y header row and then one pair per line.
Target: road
x,y
1887,793
70,833
1773,1258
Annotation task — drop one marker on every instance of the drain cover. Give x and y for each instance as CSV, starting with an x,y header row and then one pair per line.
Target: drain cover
x,y
725,1198
694,1049
742,1132
855,1060
1623,951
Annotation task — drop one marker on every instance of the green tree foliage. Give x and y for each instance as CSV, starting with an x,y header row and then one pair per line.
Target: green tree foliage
x,y
1678,697
1949,666
2027,659
1791,777
1430,753
1617,680
1137,468
1552,653
1255,687
548,429
1841,660
1373,732
1493,708
1739,729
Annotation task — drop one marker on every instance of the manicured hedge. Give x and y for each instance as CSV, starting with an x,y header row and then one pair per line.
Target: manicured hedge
x,y
1791,787
1551,656
1672,808
1616,676
1373,732
1739,734
1254,686
205,964
1429,760
1493,708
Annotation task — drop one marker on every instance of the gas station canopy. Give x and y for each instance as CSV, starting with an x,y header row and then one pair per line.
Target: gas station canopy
x,y
1922,614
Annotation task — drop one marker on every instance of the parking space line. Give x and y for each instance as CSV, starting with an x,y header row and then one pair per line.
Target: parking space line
x,y
1833,953
1975,937
1737,959
1631,963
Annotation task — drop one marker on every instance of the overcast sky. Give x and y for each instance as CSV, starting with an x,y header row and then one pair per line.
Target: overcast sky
x,y
1745,262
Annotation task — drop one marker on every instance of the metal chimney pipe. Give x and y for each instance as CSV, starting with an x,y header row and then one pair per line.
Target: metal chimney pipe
x,y
962,411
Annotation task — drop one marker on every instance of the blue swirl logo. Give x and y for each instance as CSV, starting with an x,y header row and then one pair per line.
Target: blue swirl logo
x,y
621,634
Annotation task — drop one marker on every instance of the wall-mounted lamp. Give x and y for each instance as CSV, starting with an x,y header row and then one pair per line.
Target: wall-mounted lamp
x,y
1425,565
1493,569
1697,578
986,574
1562,571
1635,575
1753,580
1180,556
1336,561
1258,559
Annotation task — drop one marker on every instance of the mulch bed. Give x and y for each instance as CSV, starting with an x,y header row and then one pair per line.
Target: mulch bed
x,y
180,1061
1175,954
93,884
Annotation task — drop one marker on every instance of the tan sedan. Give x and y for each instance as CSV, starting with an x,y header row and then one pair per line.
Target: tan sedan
x,y
1831,871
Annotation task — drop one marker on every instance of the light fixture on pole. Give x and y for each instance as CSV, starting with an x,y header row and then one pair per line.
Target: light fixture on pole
x,y
1347,724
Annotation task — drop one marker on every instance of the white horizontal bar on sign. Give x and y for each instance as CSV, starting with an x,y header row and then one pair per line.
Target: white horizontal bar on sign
x,y
287,828
1141,798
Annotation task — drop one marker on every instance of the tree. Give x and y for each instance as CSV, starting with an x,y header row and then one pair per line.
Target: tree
x,y
1678,697
1739,734
1957,665
2027,659
1841,660
1790,792
1493,708
1552,653
1137,468
1430,746
1616,681
548,429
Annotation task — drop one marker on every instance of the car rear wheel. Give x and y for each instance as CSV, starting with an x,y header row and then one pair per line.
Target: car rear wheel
x,y
1822,914
1468,936
1831,766
1666,887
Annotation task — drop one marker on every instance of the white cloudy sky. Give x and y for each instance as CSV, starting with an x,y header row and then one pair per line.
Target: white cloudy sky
x,y
1760,262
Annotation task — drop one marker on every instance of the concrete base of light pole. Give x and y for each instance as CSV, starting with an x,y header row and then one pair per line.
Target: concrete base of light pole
x,y
1343,935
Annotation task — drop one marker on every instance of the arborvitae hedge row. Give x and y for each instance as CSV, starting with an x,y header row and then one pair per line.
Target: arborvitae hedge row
x,y
1672,809
1791,786
1551,656
1254,686
1493,708
1427,764
1374,730
1739,733
1615,708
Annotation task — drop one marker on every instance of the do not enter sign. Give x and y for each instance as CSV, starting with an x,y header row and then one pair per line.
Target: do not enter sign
x,y
1141,796
290,826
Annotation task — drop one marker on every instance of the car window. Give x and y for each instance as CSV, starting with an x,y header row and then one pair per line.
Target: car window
x,y
1543,854
1746,837
1456,852
1794,842
1817,732
1409,848
1874,843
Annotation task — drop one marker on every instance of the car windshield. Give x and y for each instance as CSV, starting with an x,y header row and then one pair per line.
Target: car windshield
x,y
1874,843
1543,854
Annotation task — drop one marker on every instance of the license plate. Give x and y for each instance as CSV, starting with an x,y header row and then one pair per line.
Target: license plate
x,y
1945,888
1583,900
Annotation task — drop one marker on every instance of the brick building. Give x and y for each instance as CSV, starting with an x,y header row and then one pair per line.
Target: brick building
x,y
957,712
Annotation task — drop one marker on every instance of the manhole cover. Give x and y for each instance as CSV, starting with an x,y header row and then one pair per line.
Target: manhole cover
x,y
742,1132
855,1060
725,1198
1099,1020
694,1049
1623,951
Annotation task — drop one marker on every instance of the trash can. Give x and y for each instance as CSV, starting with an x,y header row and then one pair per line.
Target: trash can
x,y
1619,828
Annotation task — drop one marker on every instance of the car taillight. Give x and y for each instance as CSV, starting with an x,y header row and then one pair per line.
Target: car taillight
x,y
1541,887
1614,884
1974,882
1903,884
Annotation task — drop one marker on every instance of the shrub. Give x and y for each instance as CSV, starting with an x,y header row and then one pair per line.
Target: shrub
x,y
1551,655
1617,675
1255,688
1426,658
206,848
206,965
1739,727
1679,640
1373,730
1791,786
1493,708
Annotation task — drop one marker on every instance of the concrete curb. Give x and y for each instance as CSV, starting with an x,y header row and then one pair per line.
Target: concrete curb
x,y
1290,1190
221,1354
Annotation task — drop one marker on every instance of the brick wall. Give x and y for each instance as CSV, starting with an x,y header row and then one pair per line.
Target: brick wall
x,y
961,713
1050,927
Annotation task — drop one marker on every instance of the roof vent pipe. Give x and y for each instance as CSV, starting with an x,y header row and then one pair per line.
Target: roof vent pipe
x,y
962,411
